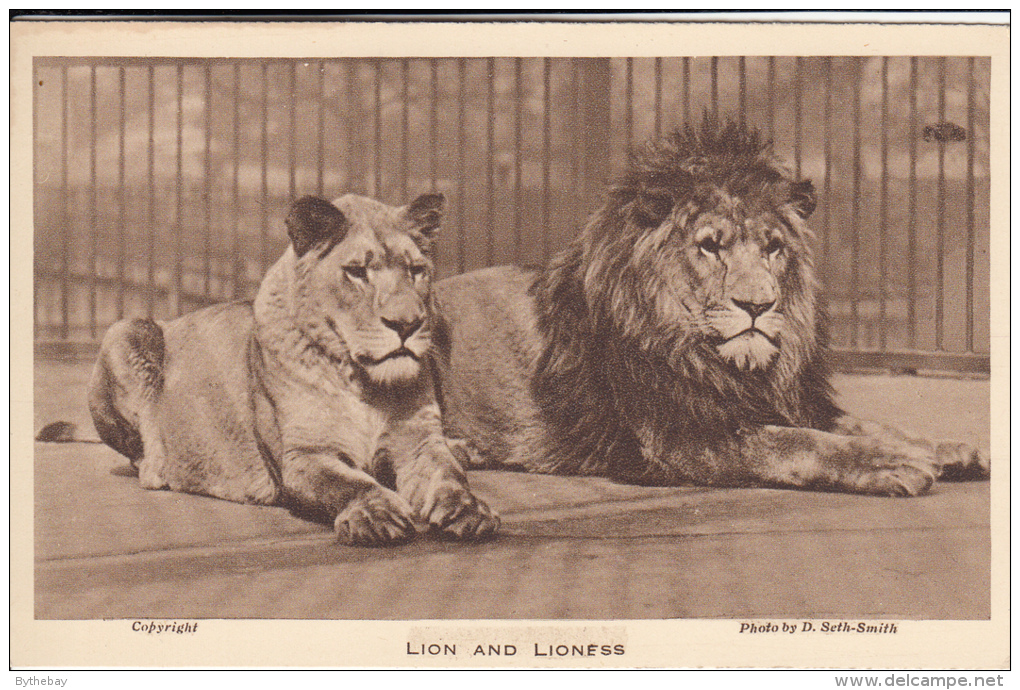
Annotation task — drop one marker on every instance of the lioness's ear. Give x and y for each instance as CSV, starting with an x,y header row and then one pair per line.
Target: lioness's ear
x,y
426,212
312,220
802,198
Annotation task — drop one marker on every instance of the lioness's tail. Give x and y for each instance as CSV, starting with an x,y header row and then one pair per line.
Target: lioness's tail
x,y
127,375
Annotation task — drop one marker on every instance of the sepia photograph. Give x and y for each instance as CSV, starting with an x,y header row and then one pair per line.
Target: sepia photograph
x,y
518,353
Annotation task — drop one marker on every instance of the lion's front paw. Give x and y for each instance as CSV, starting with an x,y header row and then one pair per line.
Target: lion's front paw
x,y
959,462
375,518
456,513
897,471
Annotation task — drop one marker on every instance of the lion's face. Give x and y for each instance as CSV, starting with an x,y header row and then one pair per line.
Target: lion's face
x,y
363,287
741,267
720,272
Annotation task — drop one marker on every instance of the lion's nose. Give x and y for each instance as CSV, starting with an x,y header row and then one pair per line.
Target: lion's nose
x,y
405,328
755,309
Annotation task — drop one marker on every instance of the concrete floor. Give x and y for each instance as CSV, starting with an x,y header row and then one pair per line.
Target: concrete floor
x,y
570,548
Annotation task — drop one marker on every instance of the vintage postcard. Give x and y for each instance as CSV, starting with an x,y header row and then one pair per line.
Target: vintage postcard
x,y
525,345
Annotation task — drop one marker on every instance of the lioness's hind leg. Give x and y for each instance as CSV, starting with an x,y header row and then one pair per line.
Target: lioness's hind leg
x,y
126,381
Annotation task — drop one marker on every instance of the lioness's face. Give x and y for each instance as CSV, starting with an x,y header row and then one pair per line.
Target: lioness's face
x,y
371,287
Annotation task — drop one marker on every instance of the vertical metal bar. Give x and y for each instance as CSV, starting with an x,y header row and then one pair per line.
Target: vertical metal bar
x,y
772,97
658,98
518,145
855,214
93,221
434,123
264,170
742,72
178,286
490,169
461,174
405,125
121,225
628,106
912,208
798,107
150,169
377,115
827,184
546,156
970,203
686,63
36,73
235,191
292,148
320,143
207,232
940,217
353,165
65,229
883,209
714,65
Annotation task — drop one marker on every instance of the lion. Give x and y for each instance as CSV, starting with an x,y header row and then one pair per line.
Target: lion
x,y
677,340
318,396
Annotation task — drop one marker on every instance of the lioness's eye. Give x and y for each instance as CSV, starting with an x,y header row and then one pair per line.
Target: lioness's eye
x,y
356,272
710,246
417,270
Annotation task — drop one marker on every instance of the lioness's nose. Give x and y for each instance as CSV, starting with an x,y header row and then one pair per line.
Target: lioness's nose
x,y
755,309
405,328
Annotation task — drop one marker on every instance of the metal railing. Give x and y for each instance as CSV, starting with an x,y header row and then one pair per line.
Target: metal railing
x,y
160,184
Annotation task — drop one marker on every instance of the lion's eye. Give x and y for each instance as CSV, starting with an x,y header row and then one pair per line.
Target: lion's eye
x,y
356,272
418,270
709,246
774,246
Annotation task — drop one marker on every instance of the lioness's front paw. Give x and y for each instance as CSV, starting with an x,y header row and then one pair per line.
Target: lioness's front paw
x,y
375,518
959,462
455,512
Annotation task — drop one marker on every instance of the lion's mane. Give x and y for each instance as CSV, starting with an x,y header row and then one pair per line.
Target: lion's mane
x,y
610,365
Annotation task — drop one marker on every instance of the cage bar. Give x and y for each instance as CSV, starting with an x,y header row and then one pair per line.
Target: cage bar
x,y
686,74
827,162
518,153
855,213
377,119
971,122
940,215
177,308
65,226
546,155
405,125
93,221
714,70
798,107
122,231
490,164
742,78
883,209
320,143
658,97
264,171
150,173
434,122
628,103
292,131
207,185
912,207
461,145
237,259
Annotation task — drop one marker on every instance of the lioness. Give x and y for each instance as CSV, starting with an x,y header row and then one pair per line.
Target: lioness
x,y
318,396
676,340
